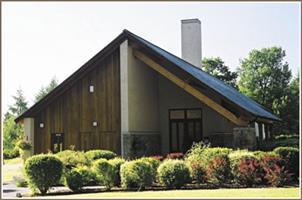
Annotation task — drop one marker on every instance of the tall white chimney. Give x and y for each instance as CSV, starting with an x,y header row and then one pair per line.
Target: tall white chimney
x,y
191,41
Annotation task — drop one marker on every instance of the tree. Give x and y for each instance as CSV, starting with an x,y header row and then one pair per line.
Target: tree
x,y
45,90
20,104
217,68
290,109
12,132
265,77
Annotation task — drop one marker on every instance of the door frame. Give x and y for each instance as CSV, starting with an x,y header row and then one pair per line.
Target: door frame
x,y
185,121
52,135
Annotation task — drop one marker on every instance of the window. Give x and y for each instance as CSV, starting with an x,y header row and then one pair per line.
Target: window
x,y
57,142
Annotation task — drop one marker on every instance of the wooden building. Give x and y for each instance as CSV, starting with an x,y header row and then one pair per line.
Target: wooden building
x,y
135,99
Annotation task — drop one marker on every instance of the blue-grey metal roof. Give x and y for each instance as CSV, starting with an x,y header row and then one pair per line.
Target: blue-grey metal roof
x,y
219,86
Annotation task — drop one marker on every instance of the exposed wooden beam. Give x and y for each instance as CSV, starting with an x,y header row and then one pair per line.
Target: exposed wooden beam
x,y
188,88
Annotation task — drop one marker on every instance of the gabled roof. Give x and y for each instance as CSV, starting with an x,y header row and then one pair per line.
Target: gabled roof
x,y
217,85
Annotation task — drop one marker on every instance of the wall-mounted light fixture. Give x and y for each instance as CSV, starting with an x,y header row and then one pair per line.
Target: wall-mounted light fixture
x,y
91,88
41,125
94,123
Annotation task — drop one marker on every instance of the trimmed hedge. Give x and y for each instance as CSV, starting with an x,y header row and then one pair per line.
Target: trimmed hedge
x,y
154,165
11,153
218,169
99,154
72,159
291,156
73,180
136,174
88,176
116,163
173,173
275,171
43,171
105,172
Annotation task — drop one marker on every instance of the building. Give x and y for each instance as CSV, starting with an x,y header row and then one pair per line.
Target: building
x,y
135,99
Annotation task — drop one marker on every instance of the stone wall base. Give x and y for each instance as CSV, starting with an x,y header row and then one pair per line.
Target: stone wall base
x,y
137,145
242,138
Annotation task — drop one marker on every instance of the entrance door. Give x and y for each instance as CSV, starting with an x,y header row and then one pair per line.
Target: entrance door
x,y
57,142
185,128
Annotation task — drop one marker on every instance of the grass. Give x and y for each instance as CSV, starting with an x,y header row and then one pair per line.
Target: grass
x,y
292,192
11,168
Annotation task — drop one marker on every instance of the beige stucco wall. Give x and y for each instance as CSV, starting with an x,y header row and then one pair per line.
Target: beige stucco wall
x,y
142,96
150,96
29,127
171,96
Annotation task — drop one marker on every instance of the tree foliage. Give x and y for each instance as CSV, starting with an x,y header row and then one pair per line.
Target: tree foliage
x,y
12,132
217,68
265,77
20,104
45,90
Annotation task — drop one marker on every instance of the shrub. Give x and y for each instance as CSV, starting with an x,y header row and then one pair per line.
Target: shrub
x,y
21,182
154,165
291,156
116,163
105,172
286,136
157,157
73,180
43,171
197,171
136,174
175,155
98,154
218,169
246,169
24,145
173,173
88,176
73,159
261,154
11,153
275,172
195,153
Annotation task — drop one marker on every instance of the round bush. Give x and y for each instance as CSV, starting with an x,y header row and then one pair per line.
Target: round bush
x,y
73,159
88,176
136,174
105,171
173,173
154,165
275,171
218,169
98,154
246,170
197,171
291,155
43,171
24,145
11,153
116,163
73,180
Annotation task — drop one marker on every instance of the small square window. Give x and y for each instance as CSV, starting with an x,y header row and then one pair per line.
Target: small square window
x,y
41,125
91,88
94,124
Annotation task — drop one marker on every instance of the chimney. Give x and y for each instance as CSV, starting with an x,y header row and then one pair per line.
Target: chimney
x,y
191,41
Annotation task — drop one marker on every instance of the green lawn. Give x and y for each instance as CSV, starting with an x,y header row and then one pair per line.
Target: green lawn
x,y
213,193
11,167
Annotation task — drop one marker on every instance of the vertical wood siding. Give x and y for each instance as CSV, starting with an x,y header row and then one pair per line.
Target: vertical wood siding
x,y
74,111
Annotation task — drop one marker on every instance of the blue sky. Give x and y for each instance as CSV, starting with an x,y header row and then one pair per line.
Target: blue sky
x,y
42,40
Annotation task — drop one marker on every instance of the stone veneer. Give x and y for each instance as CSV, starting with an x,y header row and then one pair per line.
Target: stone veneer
x,y
139,144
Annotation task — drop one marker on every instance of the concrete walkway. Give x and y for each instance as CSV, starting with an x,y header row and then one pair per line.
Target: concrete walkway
x,y
10,190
